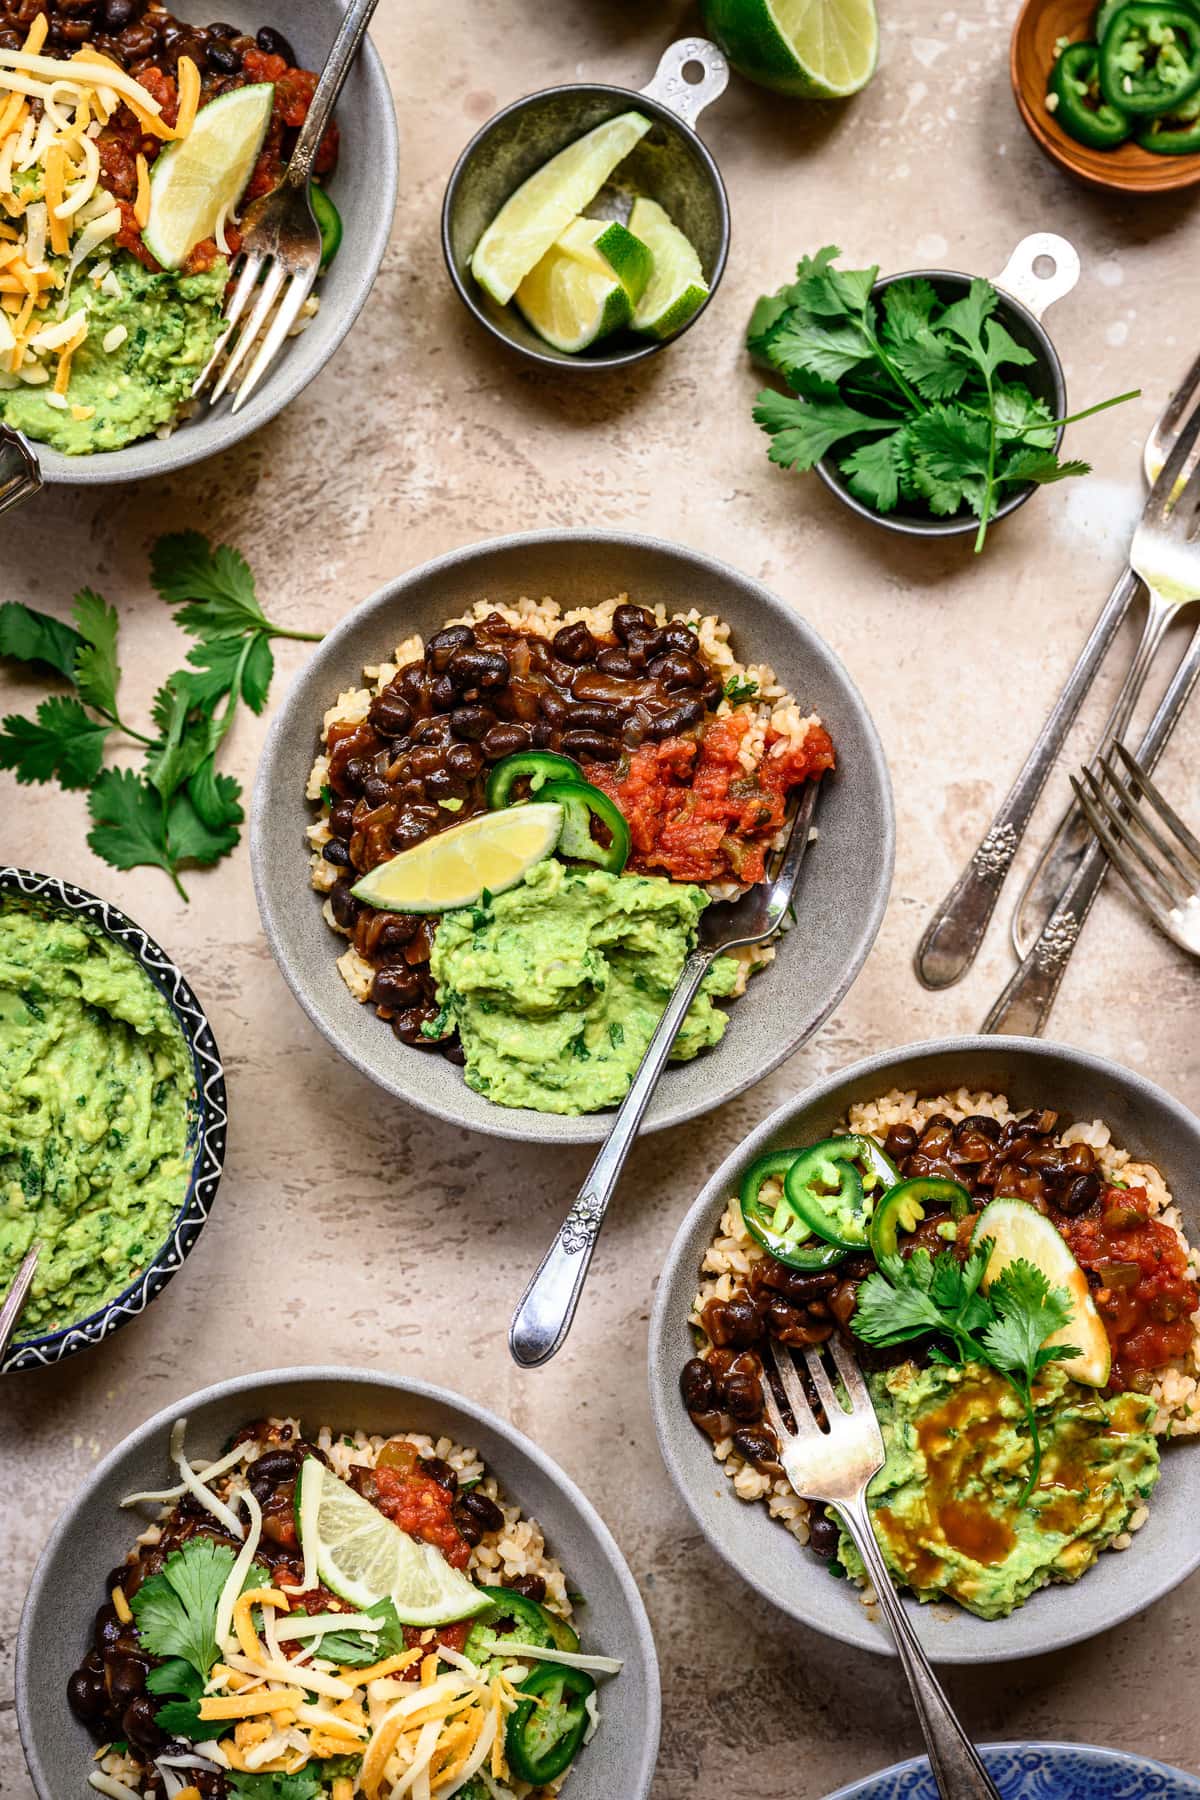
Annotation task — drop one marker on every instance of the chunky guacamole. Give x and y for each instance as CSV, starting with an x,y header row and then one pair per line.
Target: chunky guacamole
x,y
556,986
945,1503
95,1080
170,323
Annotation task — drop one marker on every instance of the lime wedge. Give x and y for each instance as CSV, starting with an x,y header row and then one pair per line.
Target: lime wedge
x,y
205,173
677,288
363,1558
586,285
1019,1230
542,207
824,49
493,851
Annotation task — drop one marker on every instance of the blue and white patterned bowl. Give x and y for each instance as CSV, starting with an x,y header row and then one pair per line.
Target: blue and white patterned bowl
x,y
1039,1772
207,1124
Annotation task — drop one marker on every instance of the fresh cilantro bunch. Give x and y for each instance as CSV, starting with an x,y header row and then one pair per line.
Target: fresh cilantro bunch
x,y
178,808
1005,1328
917,394
175,1612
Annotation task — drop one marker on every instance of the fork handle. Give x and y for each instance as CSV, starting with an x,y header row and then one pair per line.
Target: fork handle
x,y
345,48
547,1307
1024,1005
956,930
956,1764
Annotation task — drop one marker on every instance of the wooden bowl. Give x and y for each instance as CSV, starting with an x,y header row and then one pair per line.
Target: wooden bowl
x,y
1126,170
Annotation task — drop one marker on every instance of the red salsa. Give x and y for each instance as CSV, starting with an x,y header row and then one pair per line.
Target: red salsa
x,y
1141,1283
423,1508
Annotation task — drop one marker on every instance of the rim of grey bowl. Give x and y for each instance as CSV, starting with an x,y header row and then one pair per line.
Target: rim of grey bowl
x,y
638,352
958,527
195,440
208,1156
437,1396
523,1125
680,1272
915,1766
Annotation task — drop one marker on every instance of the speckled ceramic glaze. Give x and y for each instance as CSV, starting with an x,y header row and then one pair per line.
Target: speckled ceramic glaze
x,y
845,881
1144,1120
364,190
1039,1772
206,1127
94,1534
1044,378
670,165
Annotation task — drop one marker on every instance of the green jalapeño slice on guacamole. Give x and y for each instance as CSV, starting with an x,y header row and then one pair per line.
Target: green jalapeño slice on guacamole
x,y
95,1081
557,985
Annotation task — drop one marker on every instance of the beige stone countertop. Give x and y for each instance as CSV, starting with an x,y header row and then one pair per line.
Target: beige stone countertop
x,y
350,1229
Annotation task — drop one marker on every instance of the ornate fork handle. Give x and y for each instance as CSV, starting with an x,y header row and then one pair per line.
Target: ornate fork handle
x,y
956,1764
345,48
955,932
20,471
547,1307
1024,1006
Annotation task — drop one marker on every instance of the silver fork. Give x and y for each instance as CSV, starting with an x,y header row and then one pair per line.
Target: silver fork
x,y
834,1462
954,933
543,1317
20,471
281,244
1131,836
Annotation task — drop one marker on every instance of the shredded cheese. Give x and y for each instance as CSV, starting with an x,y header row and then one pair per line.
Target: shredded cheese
x,y
247,1706
141,204
240,1569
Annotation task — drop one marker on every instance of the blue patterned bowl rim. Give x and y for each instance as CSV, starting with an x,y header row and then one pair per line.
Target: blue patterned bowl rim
x,y
1098,1773
209,1125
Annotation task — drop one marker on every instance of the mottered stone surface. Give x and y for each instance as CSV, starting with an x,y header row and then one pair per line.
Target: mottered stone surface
x,y
349,1229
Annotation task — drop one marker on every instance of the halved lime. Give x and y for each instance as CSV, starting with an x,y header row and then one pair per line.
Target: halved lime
x,y
586,285
542,207
494,851
363,1558
1019,1230
197,178
677,288
823,49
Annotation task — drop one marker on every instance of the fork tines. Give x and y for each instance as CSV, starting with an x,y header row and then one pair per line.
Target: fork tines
x,y
1168,886
277,285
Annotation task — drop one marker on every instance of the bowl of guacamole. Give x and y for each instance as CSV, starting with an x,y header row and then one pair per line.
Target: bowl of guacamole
x,y
112,1115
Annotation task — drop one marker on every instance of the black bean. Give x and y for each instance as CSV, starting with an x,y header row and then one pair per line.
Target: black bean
x,y
444,784
735,1322
685,715
413,826
697,1386
472,723
1082,1193
743,1397
396,986
343,905
675,671
138,1724
591,744
532,1586
118,14
541,734
126,1678
575,643
337,853
478,1507
413,682
357,772
553,707
756,1444
628,620
395,935
273,43
108,1629
476,668
444,692
505,739
390,713
677,637
424,760
271,1469
617,663
223,59
823,1533
596,715
377,792
86,1696
441,1472
900,1142
341,818
465,760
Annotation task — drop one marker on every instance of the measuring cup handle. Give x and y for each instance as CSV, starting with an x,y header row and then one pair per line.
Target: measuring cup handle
x,y
688,99
1020,278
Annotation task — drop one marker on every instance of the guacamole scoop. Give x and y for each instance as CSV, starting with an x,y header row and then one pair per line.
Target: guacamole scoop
x,y
557,985
95,1085
958,1449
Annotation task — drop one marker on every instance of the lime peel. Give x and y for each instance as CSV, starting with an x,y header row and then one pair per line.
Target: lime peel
x,y
677,289
1017,1229
587,284
493,851
811,49
203,175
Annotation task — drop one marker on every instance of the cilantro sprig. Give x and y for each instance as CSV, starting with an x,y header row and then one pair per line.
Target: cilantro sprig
x,y
1005,1328
178,809
916,395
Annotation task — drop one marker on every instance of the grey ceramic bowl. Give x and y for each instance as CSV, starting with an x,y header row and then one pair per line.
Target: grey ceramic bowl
x,y
670,165
845,882
93,1535
1144,1120
207,1120
1025,292
364,190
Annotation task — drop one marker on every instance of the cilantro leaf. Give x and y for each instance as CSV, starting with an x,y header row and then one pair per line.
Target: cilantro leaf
x,y
358,1649
874,472
213,588
129,830
181,1719
175,1676
950,451
1028,1311
1040,466
216,798
830,292
97,671
305,1785
1020,417
931,364
907,309
1001,348
803,430
176,1609
36,637
192,838
737,689
966,317
801,344
63,743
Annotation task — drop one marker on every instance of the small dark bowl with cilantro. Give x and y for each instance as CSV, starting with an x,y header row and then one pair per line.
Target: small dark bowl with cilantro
x,y
929,402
